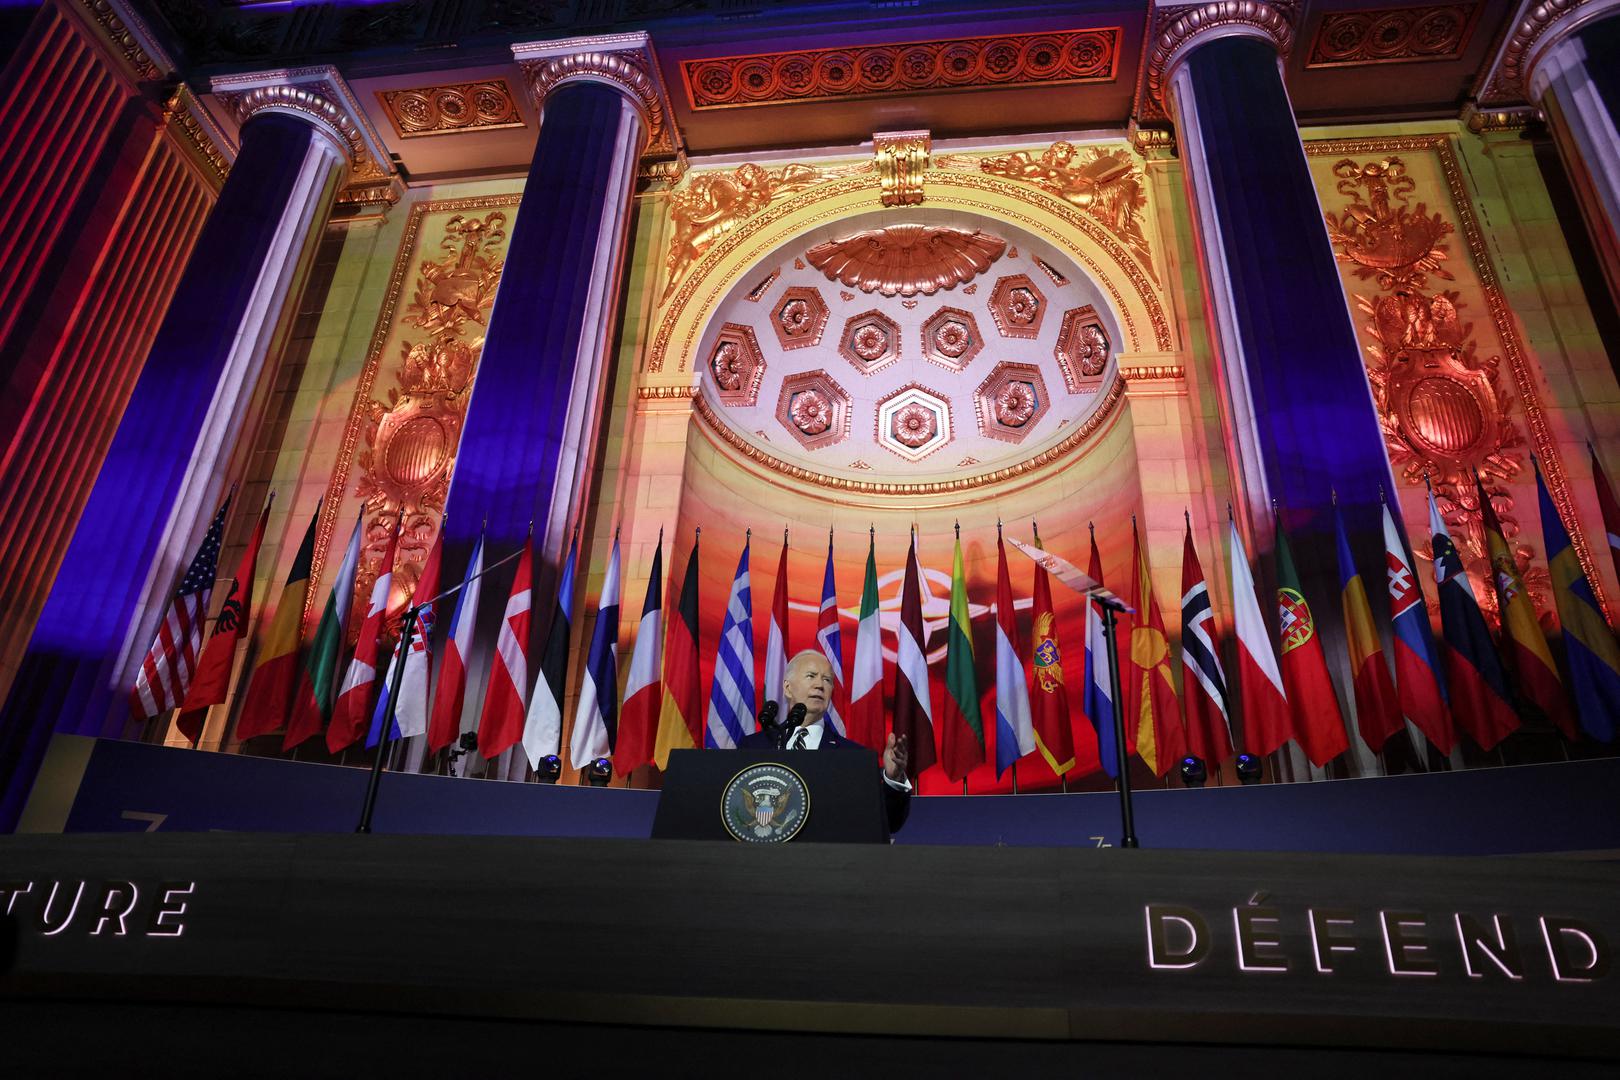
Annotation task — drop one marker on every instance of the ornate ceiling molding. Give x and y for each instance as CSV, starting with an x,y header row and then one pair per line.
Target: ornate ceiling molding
x,y
1393,35
321,96
901,158
734,82
625,61
904,260
122,28
1177,30
1536,28
451,108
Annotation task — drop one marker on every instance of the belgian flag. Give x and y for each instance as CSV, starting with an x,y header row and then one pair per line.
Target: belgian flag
x,y
279,681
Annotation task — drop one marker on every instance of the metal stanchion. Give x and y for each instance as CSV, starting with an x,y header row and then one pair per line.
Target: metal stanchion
x,y
1111,608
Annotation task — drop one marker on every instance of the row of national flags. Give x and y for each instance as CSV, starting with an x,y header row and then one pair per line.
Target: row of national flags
x,y
1469,682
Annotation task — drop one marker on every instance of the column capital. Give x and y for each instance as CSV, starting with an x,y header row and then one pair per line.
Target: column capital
x,y
1177,29
210,149
623,61
1535,29
320,96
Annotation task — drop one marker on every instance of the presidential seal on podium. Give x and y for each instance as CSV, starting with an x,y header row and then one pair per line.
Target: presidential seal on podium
x,y
765,804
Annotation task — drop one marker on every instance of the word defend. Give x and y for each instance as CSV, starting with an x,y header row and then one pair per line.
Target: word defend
x,y
99,908
1401,944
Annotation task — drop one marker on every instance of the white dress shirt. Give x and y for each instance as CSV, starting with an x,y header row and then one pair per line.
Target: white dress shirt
x,y
813,732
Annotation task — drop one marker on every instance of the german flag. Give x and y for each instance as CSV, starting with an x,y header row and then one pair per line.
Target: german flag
x,y
680,719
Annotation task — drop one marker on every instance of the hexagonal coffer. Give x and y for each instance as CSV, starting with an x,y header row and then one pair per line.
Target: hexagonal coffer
x,y
1011,401
871,342
1018,307
814,409
951,338
1082,350
736,365
799,317
913,422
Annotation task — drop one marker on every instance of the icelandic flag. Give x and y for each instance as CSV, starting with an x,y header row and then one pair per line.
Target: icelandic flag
x,y
731,698
1097,691
596,722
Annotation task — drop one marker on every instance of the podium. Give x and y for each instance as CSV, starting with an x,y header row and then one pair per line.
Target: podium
x,y
773,796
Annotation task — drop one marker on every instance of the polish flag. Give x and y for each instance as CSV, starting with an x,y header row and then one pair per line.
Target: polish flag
x,y
450,693
1265,706
776,636
506,697
352,712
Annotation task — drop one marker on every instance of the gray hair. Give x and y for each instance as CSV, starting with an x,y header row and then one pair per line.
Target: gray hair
x,y
793,664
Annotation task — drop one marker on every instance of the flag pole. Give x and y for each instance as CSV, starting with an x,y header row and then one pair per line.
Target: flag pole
x,y
370,806
1110,635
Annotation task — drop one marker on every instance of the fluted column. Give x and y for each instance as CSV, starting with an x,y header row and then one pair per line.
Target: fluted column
x,y
527,449
165,467
1299,413
1572,60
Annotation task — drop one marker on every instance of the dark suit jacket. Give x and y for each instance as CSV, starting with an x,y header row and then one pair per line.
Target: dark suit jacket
x,y
898,803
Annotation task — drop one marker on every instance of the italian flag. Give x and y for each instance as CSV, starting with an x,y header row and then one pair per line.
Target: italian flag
x,y
866,724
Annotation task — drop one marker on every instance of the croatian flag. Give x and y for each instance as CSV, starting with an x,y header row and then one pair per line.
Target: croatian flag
x,y
731,698
596,720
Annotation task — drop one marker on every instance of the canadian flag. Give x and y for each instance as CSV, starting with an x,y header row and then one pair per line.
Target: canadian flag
x,y
1265,705
506,699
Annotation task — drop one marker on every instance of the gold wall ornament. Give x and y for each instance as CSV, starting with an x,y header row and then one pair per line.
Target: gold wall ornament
x,y
713,203
451,108
432,320
904,260
901,158
624,60
1393,35
1105,183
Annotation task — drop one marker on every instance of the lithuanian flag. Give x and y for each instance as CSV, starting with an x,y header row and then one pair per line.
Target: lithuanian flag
x,y
962,733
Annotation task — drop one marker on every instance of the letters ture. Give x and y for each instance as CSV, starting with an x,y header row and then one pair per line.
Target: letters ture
x,y
111,908
1400,944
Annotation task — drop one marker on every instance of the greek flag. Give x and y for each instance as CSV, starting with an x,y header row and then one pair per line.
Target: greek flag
x,y
731,700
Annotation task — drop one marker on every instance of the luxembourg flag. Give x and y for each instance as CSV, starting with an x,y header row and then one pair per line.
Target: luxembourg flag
x,y
1015,733
349,715
1097,694
1265,704
451,692
830,640
596,720
731,699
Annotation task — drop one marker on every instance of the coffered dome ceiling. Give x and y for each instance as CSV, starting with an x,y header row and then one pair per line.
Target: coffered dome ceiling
x,y
908,347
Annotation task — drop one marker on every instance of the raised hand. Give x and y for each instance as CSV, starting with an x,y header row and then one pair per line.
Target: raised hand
x,y
895,757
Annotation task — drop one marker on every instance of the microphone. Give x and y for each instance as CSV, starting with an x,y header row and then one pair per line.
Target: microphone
x,y
767,716
795,717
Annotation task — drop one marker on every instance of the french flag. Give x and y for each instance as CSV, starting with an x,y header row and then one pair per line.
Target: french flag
x,y
451,692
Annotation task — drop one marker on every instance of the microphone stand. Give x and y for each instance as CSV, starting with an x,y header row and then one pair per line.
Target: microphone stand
x,y
369,807
1112,608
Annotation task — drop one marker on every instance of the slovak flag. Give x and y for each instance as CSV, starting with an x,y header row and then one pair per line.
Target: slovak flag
x,y
450,693
1418,685
352,711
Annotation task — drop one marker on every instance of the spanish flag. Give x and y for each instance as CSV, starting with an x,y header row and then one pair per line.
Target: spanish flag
x,y
1522,639
1594,657
680,719
280,681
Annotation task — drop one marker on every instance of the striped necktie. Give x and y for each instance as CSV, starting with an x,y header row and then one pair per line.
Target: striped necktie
x,y
798,740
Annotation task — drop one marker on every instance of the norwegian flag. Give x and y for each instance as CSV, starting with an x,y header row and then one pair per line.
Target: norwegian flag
x,y
165,674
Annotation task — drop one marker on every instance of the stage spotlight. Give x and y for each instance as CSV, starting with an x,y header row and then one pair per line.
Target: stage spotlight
x,y
1249,769
1193,773
550,768
601,771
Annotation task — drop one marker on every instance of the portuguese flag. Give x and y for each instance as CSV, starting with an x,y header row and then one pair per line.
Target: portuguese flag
x,y
962,735
1318,724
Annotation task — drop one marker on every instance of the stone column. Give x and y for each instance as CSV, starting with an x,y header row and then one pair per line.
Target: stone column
x,y
165,468
528,445
1298,415
1567,56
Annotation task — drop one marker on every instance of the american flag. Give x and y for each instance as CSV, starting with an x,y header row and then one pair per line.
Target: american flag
x,y
165,674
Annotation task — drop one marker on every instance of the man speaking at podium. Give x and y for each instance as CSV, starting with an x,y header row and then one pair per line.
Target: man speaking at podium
x,y
806,691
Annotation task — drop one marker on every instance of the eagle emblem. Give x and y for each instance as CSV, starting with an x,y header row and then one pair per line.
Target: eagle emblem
x,y
765,804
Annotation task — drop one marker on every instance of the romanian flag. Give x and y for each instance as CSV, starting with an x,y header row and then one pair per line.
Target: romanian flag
x,y
1049,704
1594,657
1378,711
1318,723
1523,643
962,727
1152,714
680,719
279,681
